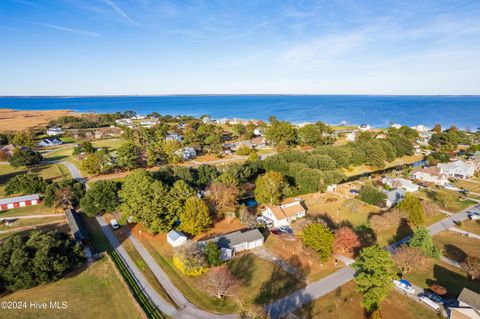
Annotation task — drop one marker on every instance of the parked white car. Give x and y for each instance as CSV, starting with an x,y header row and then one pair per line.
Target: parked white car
x,y
404,285
474,216
114,224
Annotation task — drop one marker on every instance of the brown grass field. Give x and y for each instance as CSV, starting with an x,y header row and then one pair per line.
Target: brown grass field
x,y
12,120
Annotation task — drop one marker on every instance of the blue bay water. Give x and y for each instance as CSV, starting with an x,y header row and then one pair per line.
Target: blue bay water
x,y
378,111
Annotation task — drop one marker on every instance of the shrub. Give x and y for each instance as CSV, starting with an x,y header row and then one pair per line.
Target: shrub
x,y
190,260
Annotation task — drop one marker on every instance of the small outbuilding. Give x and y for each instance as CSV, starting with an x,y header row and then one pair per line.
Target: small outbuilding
x,y
176,238
20,201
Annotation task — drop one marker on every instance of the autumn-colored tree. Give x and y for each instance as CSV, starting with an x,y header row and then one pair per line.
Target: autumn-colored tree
x,y
195,217
412,207
223,197
471,265
346,241
220,282
409,259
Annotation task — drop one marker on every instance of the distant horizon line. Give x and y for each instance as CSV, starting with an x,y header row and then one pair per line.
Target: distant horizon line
x,y
229,94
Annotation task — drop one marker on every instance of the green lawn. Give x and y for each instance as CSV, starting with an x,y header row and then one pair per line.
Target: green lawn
x,y
452,278
31,222
91,292
472,226
455,246
446,199
470,186
344,303
101,244
28,210
54,172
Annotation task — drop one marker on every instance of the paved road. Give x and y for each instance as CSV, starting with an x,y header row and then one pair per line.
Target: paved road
x,y
186,309
465,233
313,291
142,282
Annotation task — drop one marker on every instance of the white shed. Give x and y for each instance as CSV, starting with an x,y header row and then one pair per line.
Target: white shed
x,y
176,238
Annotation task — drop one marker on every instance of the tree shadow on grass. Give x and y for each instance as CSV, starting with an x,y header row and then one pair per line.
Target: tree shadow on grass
x,y
242,268
453,281
453,252
403,231
4,178
366,235
279,284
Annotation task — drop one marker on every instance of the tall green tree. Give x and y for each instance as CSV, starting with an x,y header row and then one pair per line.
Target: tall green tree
x,y
422,240
26,184
99,162
371,195
195,217
413,208
320,238
315,134
270,188
212,253
25,157
143,197
375,272
280,132
102,197
128,156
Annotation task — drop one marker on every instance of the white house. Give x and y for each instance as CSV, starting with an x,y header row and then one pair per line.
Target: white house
x,y
394,197
403,183
364,127
396,125
283,215
430,174
187,153
352,136
420,128
468,306
176,238
125,121
149,122
49,141
55,131
173,137
458,169
237,241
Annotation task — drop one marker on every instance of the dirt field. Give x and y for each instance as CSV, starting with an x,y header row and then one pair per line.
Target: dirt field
x,y
11,120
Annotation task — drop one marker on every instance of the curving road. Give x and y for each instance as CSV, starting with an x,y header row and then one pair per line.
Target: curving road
x,y
186,310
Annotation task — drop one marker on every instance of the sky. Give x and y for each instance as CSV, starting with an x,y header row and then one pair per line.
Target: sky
x,y
156,47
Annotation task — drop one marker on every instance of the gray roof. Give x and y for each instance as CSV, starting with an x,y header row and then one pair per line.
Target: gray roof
x,y
469,297
235,238
18,199
395,195
174,235
75,224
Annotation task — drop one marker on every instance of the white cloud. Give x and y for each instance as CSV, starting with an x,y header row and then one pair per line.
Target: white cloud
x,y
57,27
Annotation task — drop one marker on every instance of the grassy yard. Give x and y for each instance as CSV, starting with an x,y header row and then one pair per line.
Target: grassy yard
x,y
362,169
468,185
454,279
54,172
92,292
455,246
61,225
101,244
446,199
344,303
27,210
24,222
261,281
472,226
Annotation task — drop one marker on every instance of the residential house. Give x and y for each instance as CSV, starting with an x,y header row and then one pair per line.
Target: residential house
x,y
364,127
235,146
468,306
430,174
420,128
396,125
207,120
78,231
20,201
55,131
187,153
176,238
457,169
394,197
149,122
283,215
259,142
258,132
173,137
49,141
352,136
403,183
124,122
237,241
